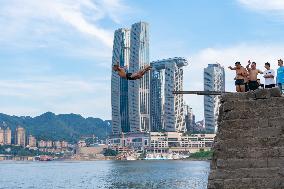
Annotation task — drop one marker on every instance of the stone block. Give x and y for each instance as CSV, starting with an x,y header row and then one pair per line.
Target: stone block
x,y
276,122
267,132
275,162
262,93
239,183
216,184
266,183
275,92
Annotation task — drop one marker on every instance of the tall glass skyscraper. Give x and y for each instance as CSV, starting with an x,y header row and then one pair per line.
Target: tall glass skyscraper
x,y
167,111
119,86
214,80
139,90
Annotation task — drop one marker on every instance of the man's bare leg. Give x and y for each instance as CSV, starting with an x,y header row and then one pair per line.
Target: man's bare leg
x,y
238,88
242,88
140,74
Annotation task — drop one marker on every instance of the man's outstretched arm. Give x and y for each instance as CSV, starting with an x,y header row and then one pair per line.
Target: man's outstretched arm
x,y
231,68
247,67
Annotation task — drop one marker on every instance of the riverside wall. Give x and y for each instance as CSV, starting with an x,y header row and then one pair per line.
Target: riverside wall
x,y
249,145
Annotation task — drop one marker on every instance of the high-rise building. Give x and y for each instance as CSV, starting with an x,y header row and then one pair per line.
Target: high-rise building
x,y
20,138
7,136
1,136
214,80
32,141
119,86
139,90
189,120
167,111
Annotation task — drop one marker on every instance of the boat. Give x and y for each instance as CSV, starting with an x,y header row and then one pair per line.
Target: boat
x,y
131,158
157,156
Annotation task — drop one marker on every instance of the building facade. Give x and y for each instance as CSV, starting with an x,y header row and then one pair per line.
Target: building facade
x,y
179,142
167,111
1,136
129,141
214,80
42,144
119,86
20,137
7,136
139,90
161,142
32,141
189,119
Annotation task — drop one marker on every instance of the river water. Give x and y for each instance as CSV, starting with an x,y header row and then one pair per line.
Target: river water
x,y
104,174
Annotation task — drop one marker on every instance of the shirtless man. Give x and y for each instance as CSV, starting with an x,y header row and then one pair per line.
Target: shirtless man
x,y
240,76
253,72
130,76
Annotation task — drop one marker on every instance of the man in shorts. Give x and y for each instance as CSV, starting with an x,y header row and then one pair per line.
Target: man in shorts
x,y
240,76
253,72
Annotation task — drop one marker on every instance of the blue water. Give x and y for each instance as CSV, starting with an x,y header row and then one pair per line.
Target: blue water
x,y
104,174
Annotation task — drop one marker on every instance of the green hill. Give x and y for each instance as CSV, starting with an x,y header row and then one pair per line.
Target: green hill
x,y
69,127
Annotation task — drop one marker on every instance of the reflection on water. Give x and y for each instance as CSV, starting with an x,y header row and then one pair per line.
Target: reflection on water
x,y
104,174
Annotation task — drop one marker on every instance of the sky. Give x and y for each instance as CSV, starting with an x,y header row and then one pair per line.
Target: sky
x,y
55,55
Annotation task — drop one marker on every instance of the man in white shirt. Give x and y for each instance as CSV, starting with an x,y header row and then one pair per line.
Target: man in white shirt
x,y
269,75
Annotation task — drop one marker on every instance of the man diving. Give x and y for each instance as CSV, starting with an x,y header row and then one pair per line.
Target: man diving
x,y
130,76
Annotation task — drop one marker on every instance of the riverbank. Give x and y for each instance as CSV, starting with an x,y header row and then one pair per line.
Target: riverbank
x,y
201,156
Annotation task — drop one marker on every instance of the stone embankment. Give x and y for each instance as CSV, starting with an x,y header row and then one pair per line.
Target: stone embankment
x,y
249,145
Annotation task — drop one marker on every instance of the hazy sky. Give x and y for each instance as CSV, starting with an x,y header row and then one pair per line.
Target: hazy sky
x,y
55,55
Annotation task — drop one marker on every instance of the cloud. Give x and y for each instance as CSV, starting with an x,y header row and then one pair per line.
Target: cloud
x,y
226,56
271,5
58,17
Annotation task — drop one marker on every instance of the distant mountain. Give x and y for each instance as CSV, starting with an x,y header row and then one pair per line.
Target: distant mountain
x,y
48,126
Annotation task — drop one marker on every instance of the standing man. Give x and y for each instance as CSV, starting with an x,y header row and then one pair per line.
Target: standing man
x,y
269,75
280,76
253,72
240,76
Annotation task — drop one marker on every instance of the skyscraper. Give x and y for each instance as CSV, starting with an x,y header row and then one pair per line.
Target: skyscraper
x,y
167,111
214,80
189,119
32,141
119,86
7,136
1,136
20,138
139,90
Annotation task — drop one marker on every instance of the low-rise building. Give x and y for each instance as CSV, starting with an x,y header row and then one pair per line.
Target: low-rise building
x,y
49,144
81,143
64,144
161,142
57,144
42,144
129,141
90,152
180,142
